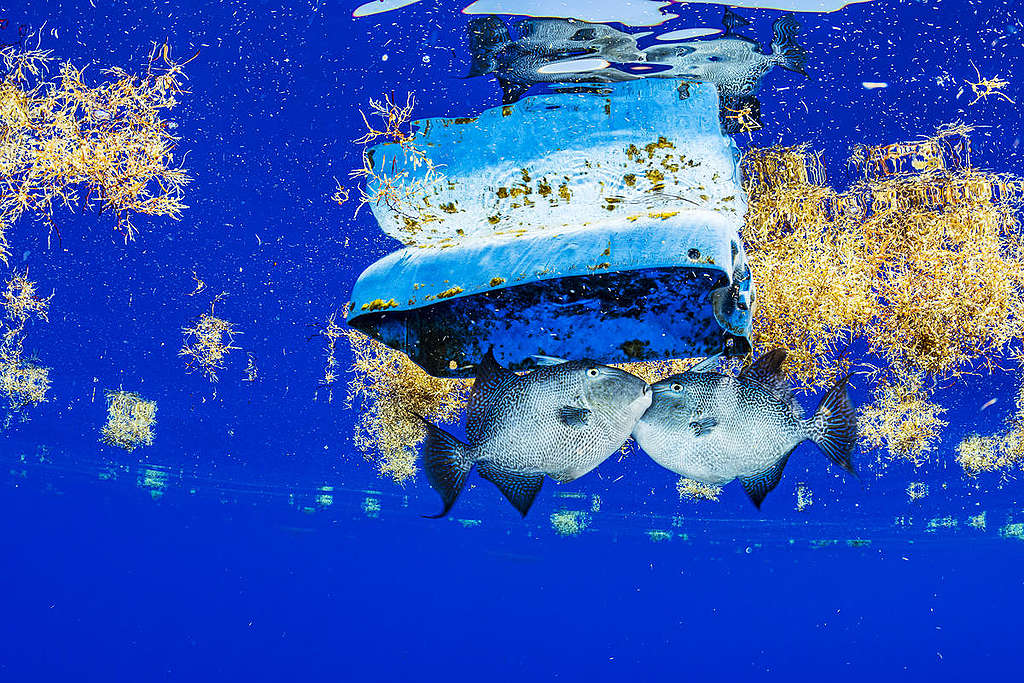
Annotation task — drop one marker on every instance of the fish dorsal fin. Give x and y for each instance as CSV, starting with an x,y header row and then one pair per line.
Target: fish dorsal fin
x,y
489,372
486,36
491,381
574,416
732,21
521,488
761,484
545,360
708,364
512,92
766,371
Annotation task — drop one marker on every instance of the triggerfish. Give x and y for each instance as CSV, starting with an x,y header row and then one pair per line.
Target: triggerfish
x,y
561,421
734,63
714,428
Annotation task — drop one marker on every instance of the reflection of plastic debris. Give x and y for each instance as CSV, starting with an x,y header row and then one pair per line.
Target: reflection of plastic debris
x,y
567,225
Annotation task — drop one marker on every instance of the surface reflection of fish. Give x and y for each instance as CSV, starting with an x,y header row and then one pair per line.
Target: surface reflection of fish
x,y
562,421
545,52
715,428
735,64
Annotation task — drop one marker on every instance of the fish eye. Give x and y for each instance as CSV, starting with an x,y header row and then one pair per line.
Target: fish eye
x,y
593,372
677,387
714,58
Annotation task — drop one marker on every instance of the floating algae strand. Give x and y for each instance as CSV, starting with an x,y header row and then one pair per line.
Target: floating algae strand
x,y
22,381
61,138
130,420
207,342
394,187
695,491
331,331
917,490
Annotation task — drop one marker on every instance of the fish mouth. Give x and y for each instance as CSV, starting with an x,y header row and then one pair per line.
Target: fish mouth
x,y
642,402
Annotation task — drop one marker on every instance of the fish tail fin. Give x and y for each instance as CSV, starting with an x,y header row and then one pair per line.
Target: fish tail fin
x,y
485,35
787,52
834,427
447,462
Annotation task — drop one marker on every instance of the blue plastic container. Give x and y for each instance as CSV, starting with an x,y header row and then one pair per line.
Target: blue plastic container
x,y
571,225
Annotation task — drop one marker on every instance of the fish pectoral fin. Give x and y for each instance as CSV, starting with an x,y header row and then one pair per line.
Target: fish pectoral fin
x,y
574,416
761,484
519,487
703,425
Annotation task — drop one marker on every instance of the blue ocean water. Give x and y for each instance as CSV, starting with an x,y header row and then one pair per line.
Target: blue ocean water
x,y
252,541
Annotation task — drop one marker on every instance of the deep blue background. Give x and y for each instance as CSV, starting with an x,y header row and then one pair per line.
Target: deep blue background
x,y
228,575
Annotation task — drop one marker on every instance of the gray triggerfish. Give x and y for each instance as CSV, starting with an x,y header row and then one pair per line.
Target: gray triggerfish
x,y
734,63
560,420
548,43
714,428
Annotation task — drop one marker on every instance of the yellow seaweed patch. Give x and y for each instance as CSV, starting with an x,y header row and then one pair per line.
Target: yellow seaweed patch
x,y
386,183
379,305
130,420
391,389
1000,452
62,138
22,381
332,331
902,419
206,343
450,292
931,287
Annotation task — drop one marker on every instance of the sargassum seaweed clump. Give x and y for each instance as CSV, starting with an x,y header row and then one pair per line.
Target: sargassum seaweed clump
x,y
64,142
130,420
390,390
206,343
22,380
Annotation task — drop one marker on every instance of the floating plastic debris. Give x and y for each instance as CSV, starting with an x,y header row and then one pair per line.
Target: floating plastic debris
x,y
567,225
